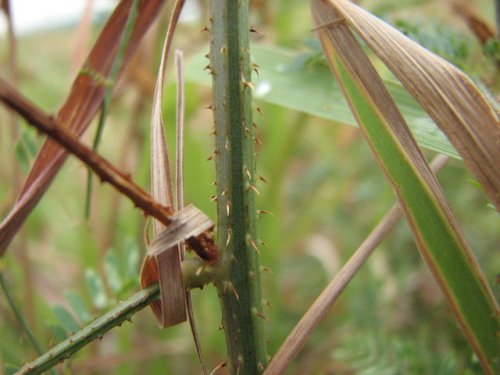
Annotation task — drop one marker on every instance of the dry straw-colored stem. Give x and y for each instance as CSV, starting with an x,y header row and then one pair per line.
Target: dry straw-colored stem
x,y
304,328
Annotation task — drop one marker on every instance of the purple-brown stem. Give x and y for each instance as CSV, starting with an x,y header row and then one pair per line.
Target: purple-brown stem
x,y
203,244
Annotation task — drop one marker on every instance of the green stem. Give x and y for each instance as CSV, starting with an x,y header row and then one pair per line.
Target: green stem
x,y
94,330
195,273
239,286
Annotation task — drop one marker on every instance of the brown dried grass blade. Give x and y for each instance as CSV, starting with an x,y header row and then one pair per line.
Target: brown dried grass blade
x,y
170,309
80,107
447,95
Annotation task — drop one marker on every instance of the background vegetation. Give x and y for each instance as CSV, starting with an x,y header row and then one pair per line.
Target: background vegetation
x,y
322,187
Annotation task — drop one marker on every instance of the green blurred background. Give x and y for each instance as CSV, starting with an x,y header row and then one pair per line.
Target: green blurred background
x,y
323,189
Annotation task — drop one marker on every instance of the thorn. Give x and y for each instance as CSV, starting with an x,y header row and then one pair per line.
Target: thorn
x,y
213,198
213,132
255,125
259,111
255,68
266,269
235,292
251,187
260,212
211,157
263,179
260,315
210,69
204,29
228,237
267,303
254,245
247,172
262,242
257,141
224,192
254,30
210,106
223,49
247,83
228,208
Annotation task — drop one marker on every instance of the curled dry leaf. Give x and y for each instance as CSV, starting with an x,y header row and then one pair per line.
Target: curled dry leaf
x,y
79,108
164,266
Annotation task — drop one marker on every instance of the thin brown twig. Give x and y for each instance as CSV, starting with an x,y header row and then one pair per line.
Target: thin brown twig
x,y
203,244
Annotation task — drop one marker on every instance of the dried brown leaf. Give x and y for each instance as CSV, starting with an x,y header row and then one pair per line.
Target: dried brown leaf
x,y
171,308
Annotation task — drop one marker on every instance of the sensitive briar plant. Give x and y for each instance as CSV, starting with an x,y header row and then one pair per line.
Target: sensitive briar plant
x,y
230,260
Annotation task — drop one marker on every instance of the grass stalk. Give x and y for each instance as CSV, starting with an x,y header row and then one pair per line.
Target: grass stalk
x,y
19,315
192,276
95,330
318,310
239,285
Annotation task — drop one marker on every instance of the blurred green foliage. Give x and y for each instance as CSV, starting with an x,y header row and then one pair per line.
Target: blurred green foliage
x,y
322,188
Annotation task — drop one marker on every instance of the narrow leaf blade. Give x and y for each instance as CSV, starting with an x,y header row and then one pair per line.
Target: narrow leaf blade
x,y
448,95
435,230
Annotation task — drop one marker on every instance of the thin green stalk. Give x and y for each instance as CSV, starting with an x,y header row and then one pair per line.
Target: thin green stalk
x,y
94,330
108,94
20,317
239,285
195,273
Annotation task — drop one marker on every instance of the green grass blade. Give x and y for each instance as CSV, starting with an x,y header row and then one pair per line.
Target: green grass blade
x,y
435,230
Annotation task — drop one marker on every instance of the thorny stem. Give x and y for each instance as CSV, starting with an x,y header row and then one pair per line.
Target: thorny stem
x,y
203,244
94,330
193,278
239,288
